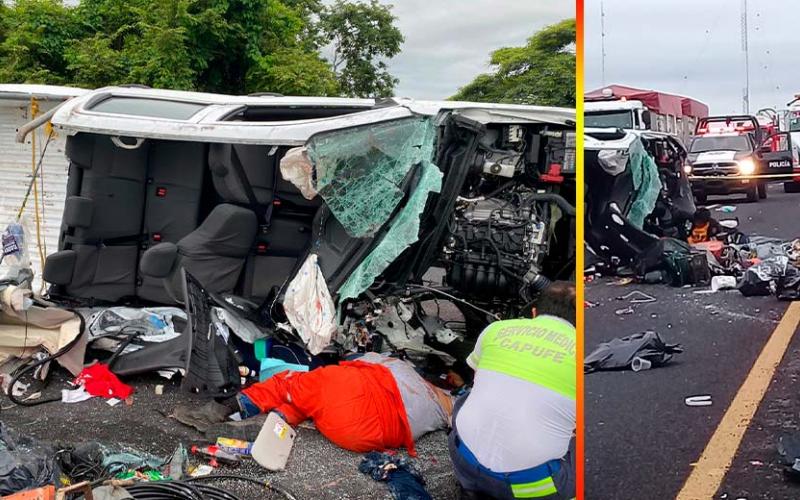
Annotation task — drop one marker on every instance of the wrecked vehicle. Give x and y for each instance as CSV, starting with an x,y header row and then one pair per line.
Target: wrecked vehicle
x,y
243,196
638,200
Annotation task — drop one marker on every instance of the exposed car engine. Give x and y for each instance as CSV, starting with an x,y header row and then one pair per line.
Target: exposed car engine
x,y
503,227
509,233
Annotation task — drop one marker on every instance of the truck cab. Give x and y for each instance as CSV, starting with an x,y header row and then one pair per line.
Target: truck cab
x,y
626,115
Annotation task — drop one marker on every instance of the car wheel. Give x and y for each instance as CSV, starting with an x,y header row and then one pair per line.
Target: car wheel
x,y
701,198
762,191
752,194
791,187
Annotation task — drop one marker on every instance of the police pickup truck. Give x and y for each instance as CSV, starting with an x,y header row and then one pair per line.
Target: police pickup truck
x,y
729,154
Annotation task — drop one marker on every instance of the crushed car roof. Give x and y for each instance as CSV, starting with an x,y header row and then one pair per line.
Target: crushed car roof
x,y
205,117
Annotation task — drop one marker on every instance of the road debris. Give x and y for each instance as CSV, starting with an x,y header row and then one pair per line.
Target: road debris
x,y
620,353
402,478
701,400
637,297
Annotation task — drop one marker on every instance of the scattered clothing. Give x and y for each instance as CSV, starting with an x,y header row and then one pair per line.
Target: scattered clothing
x,y
24,462
403,479
98,380
201,417
789,451
620,353
75,395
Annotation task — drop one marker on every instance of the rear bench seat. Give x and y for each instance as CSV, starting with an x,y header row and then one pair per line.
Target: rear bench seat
x,y
102,220
248,261
120,201
132,221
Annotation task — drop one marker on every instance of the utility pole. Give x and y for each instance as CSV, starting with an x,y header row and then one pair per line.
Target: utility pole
x,y
746,50
603,42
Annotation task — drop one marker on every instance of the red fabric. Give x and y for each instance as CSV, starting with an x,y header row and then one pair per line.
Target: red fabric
x,y
690,107
355,405
98,380
659,102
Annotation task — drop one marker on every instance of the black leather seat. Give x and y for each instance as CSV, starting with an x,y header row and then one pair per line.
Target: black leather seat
x,y
214,253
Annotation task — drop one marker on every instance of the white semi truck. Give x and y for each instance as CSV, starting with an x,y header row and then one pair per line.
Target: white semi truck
x,y
639,109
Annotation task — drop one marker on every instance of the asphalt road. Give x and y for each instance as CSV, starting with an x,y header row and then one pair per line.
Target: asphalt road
x,y
641,438
317,469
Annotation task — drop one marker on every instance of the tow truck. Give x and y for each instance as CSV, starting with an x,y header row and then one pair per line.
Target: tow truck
x,y
733,154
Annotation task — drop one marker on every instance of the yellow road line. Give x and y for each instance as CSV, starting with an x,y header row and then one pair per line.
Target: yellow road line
x,y
710,470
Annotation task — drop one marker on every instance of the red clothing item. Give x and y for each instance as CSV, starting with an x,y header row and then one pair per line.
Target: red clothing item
x,y
98,380
355,405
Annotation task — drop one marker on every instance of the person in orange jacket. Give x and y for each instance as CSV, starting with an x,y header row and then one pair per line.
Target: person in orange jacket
x,y
373,403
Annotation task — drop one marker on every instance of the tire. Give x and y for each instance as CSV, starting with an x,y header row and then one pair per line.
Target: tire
x,y
701,198
762,191
791,187
752,194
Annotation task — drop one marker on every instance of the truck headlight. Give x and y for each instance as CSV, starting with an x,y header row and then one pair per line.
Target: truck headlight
x,y
687,169
747,166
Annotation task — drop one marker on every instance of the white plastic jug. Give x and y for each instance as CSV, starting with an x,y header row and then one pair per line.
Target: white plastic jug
x,y
274,443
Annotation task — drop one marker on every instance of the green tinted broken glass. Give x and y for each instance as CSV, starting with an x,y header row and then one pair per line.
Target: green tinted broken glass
x,y
360,172
402,233
646,183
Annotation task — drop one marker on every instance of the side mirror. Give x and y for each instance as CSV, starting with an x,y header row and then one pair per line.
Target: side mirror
x,y
646,118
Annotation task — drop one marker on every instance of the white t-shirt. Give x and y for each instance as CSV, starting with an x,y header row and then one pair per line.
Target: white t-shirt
x,y
510,424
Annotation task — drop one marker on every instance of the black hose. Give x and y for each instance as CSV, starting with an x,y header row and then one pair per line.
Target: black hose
x,y
15,399
266,484
559,200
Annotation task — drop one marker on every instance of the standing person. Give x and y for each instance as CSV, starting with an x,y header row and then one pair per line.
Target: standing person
x,y
513,433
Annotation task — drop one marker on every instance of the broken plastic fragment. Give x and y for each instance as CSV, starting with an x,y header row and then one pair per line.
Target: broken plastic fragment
x,y
360,172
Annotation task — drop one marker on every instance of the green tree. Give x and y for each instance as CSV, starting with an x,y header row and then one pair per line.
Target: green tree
x,y
36,36
363,37
542,72
228,46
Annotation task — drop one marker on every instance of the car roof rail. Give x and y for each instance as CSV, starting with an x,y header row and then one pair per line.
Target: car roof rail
x,y
265,94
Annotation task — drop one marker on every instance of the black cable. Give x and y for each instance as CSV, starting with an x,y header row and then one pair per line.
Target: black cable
x,y
266,484
20,402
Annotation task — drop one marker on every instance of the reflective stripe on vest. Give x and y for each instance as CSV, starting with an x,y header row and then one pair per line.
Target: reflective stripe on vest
x,y
540,350
537,489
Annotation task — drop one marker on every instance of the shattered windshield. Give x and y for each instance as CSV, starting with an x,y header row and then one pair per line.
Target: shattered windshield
x,y
360,171
721,143
615,119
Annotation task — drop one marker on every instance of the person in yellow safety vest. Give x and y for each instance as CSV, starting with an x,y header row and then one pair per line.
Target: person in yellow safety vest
x,y
513,434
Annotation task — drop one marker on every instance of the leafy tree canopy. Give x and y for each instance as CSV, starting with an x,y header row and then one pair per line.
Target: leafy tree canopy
x,y
228,46
542,72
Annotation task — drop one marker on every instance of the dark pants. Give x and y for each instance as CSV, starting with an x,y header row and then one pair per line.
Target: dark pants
x,y
477,481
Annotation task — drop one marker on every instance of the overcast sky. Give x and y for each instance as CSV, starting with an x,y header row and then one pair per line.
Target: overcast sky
x,y
694,48
448,41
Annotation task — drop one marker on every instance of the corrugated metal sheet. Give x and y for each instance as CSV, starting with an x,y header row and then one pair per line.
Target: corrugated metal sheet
x,y
16,174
